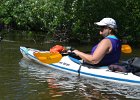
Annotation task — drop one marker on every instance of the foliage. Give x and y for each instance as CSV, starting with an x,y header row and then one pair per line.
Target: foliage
x,y
70,19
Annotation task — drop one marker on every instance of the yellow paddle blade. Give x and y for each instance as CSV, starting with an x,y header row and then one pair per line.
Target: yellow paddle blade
x,y
126,48
48,58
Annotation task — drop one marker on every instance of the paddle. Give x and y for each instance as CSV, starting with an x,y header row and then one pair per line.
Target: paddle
x,y
50,58
126,48
47,57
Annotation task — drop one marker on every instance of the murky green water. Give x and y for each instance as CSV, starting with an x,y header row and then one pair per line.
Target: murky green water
x,y
21,79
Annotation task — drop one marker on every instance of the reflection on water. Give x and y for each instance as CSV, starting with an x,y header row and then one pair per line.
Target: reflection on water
x,y
57,83
61,84
21,79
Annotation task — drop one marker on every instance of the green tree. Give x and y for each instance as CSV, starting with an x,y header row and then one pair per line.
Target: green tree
x,y
70,19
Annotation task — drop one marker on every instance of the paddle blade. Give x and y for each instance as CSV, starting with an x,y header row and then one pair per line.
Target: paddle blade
x,y
48,58
126,48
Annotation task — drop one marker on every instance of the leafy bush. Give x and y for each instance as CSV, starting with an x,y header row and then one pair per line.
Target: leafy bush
x,y
69,19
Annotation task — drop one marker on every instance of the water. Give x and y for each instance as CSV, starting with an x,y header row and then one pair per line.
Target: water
x,y
21,79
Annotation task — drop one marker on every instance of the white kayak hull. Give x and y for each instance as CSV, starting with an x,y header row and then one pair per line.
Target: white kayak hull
x,y
69,64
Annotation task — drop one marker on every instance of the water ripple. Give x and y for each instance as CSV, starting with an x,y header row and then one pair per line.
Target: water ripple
x,y
60,83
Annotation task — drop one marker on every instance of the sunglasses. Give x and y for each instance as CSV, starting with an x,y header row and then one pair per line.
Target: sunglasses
x,y
102,28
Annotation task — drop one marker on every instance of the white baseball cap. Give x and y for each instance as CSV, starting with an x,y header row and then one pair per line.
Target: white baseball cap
x,y
107,22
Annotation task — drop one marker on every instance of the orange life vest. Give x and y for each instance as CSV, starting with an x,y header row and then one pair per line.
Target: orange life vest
x,y
57,49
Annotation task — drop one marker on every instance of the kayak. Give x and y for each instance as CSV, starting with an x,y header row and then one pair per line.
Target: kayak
x,y
75,66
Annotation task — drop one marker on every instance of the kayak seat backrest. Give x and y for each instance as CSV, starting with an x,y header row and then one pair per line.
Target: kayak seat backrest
x,y
131,65
135,65
134,62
